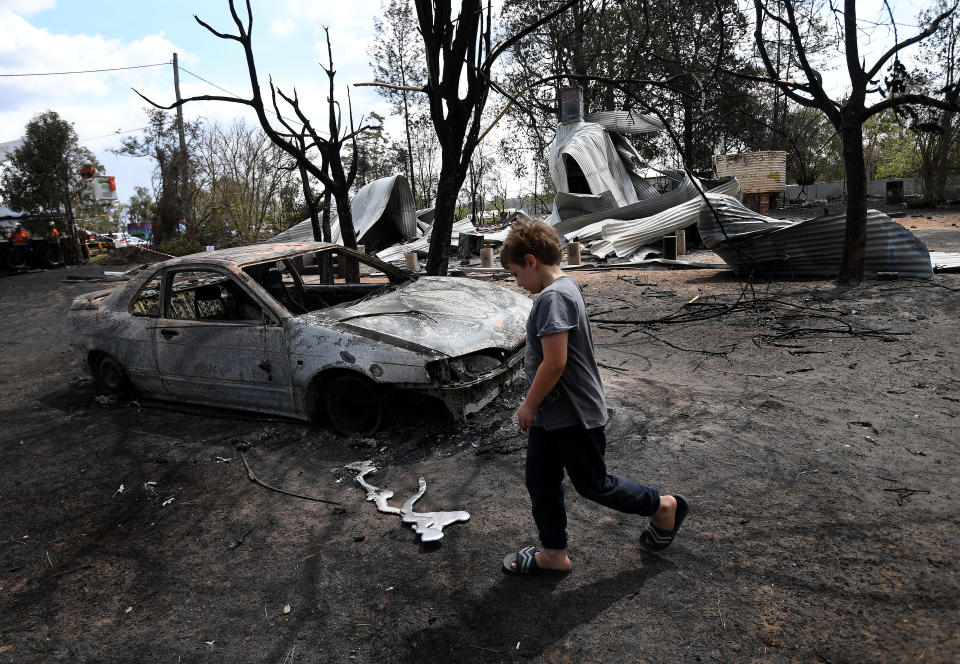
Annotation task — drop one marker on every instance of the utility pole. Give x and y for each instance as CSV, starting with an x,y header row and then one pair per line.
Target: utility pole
x,y
182,155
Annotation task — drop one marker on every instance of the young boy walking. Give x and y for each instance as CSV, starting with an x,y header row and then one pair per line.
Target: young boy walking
x,y
564,411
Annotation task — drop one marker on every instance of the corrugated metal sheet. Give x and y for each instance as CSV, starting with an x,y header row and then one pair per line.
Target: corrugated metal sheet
x,y
811,248
422,244
589,145
625,122
625,237
383,213
685,191
945,261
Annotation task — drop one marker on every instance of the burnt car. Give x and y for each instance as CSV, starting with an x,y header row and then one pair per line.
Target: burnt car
x,y
278,328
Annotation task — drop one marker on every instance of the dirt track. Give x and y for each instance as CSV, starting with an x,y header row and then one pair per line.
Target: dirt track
x,y
820,465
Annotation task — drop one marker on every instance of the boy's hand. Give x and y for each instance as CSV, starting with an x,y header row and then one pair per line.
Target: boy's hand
x,y
526,415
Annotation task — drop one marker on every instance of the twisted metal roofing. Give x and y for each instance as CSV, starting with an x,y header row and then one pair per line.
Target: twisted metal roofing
x,y
625,122
624,237
383,213
590,146
685,191
811,248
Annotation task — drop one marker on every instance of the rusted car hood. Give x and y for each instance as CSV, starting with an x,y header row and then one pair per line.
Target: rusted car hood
x,y
453,316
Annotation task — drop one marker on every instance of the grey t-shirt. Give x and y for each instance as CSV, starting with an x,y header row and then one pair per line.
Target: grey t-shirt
x,y
577,398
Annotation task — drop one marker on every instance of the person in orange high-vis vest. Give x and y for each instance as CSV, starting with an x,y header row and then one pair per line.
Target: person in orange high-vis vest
x,y
54,254
20,255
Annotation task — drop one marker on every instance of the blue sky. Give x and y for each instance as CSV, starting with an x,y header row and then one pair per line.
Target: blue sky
x,y
67,35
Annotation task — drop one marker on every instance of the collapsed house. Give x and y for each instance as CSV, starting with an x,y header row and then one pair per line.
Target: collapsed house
x,y
603,199
606,200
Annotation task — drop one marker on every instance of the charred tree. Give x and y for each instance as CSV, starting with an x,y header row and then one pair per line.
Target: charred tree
x,y
299,142
848,115
460,55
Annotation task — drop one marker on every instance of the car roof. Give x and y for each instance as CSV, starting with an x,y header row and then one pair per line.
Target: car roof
x,y
240,257
253,253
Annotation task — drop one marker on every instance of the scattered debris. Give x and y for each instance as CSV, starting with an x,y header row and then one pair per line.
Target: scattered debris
x,y
429,525
167,501
238,542
244,445
750,241
904,494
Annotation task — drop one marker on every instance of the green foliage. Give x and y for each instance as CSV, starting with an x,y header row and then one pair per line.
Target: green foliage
x,y
709,111
250,187
142,207
938,130
174,187
813,148
889,148
377,157
396,58
44,173
181,245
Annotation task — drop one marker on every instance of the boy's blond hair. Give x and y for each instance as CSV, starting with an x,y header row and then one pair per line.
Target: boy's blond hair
x,y
531,237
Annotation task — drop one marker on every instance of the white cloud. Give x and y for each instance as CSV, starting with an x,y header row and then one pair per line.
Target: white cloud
x,y
26,6
282,27
29,50
97,104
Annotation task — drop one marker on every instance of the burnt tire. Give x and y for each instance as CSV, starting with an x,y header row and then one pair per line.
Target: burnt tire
x,y
51,257
111,377
16,260
354,405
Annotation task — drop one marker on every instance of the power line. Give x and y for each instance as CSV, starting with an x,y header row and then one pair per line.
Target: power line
x,y
116,133
85,71
197,76
182,68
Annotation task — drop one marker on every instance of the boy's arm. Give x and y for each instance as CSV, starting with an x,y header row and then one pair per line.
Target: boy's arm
x,y
548,373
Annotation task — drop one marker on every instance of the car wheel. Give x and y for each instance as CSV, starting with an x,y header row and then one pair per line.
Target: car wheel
x,y
111,377
354,405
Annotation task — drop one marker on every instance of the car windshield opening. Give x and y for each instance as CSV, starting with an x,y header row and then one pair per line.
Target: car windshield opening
x,y
320,280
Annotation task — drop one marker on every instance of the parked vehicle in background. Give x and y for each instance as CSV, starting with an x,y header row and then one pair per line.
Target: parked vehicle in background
x,y
126,240
100,244
259,328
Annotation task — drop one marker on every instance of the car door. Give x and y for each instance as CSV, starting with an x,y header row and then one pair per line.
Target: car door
x,y
216,344
132,343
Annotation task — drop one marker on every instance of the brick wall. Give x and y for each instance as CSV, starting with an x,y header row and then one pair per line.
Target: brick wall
x,y
758,172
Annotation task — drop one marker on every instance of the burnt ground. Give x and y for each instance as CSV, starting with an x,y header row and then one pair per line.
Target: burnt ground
x,y
813,429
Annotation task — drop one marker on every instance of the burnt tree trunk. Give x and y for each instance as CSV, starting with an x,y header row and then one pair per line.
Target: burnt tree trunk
x,y
448,186
855,235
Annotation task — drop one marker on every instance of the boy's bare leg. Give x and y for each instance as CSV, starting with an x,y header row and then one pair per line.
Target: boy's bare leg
x,y
663,518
